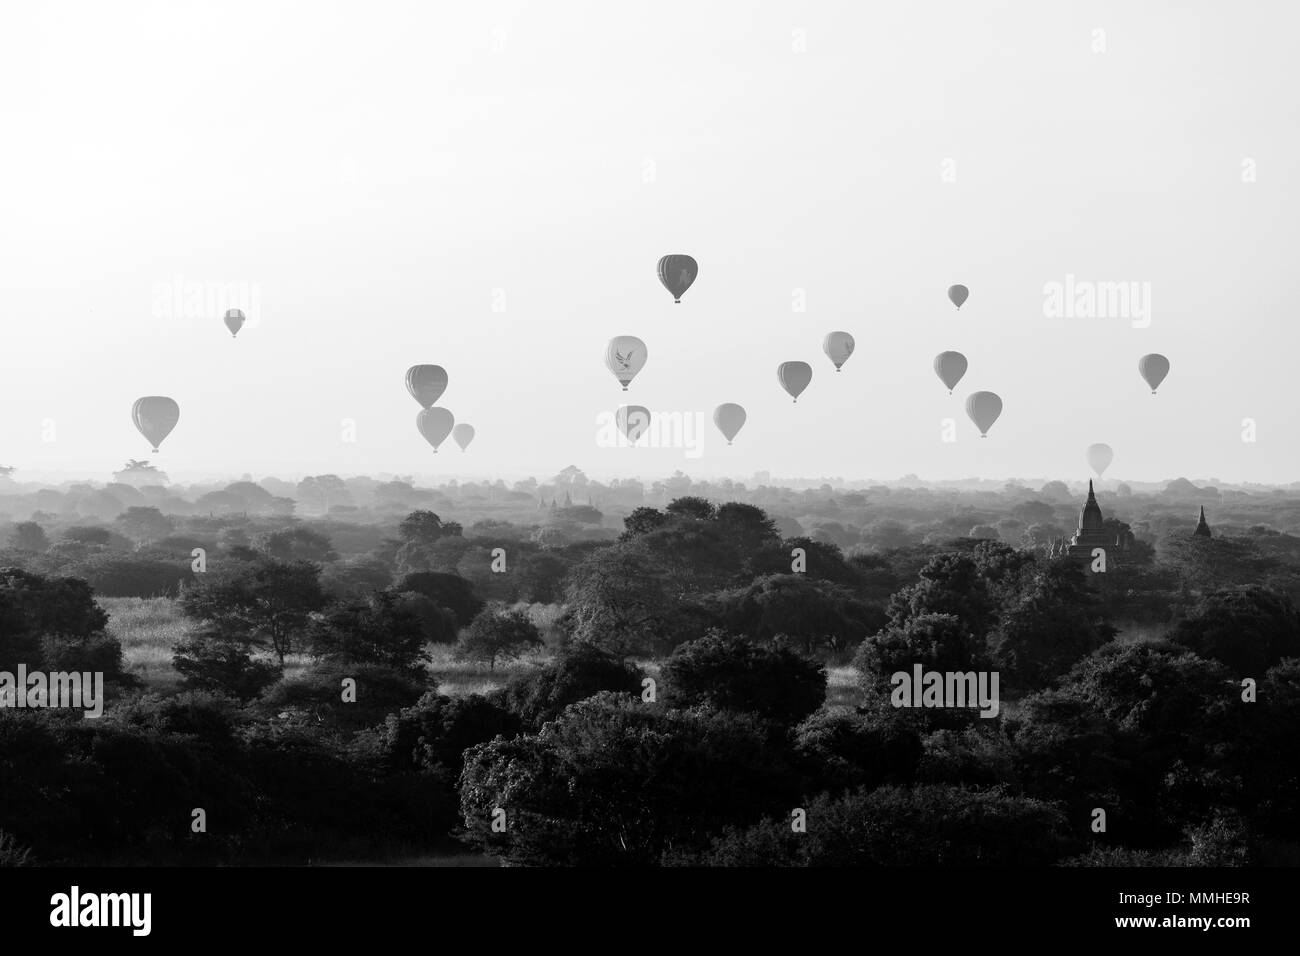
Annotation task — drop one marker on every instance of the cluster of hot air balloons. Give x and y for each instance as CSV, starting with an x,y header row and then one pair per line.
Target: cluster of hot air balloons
x,y
426,383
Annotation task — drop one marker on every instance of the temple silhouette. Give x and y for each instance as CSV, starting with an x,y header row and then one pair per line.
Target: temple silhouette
x,y
1092,533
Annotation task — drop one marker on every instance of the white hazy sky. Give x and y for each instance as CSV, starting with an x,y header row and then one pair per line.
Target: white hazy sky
x,y
376,170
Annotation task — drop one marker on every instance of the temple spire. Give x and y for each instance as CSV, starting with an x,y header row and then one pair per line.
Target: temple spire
x,y
1202,529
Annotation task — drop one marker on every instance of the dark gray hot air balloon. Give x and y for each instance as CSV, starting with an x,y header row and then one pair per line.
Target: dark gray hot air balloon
x,y
838,346
677,272
426,383
632,421
234,321
435,425
1099,457
730,419
983,409
155,416
462,435
958,294
950,367
794,377
1154,368
625,356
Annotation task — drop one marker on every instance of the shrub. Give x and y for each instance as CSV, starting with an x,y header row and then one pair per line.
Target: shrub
x,y
576,674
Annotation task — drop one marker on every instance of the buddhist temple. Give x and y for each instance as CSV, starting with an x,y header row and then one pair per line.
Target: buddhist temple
x,y
1092,534
1202,529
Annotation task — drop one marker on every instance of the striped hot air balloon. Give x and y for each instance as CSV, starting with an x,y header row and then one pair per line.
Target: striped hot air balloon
x,y
677,272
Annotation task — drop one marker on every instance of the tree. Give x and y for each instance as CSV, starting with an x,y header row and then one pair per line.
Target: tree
x,y
578,672
449,591
209,662
498,635
617,602
1248,628
379,630
298,544
29,536
731,673
813,613
701,509
421,527
143,523
266,601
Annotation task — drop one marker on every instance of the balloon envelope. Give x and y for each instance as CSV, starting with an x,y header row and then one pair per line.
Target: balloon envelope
x,y
730,419
426,383
155,416
838,346
1154,368
950,367
462,435
957,294
677,272
1099,457
983,409
234,321
632,421
794,377
625,356
435,425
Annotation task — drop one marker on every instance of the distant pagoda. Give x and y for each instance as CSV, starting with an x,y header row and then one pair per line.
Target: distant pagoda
x,y
1202,529
1092,533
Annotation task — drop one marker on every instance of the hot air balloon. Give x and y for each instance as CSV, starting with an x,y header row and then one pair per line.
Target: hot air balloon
x,y
632,421
435,425
958,294
838,346
1099,457
794,377
950,367
426,383
234,321
730,419
155,416
463,434
1154,368
677,273
983,409
625,356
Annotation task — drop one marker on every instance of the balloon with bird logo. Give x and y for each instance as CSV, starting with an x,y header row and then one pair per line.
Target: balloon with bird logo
x,y
426,383
838,346
958,294
730,419
677,272
625,356
1099,457
462,435
794,377
983,409
234,321
435,425
950,367
155,416
632,420
1154,368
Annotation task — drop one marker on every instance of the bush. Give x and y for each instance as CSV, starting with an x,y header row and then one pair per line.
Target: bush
x,y
318,694
892,826
437,731
842,751
576,674
1250,629
498,635
731,673
209,662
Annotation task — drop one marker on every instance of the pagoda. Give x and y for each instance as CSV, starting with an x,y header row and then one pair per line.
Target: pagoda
x,y
1202,529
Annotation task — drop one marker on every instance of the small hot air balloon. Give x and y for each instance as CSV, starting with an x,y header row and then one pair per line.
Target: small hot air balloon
x,y
950,367
435,425
625,356
958,294
838,346
426,383
730,419
1099,457
462,435
632,421
983,409
234,321
794,377
155,416
677,272
1154,368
